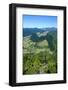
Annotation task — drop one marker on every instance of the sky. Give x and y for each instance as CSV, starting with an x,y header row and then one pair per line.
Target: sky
x,y
35,21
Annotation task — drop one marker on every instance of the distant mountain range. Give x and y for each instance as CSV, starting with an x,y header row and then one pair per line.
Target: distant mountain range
x,y
30,31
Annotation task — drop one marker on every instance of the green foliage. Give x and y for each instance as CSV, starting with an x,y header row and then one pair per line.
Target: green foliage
x,y
40,54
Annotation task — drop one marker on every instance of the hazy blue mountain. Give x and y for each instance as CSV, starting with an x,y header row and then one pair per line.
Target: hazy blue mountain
x,y
49,29
30,31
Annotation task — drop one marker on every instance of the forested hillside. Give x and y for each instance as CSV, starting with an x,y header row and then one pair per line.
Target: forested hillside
x,y
40,51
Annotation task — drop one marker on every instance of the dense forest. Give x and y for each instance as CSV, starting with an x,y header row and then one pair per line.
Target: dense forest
x,y
39,51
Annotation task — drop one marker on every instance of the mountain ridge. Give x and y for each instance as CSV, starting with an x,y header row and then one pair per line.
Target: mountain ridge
x,y
30,31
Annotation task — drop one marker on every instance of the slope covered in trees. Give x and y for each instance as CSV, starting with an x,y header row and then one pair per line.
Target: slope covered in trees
x,y
40,52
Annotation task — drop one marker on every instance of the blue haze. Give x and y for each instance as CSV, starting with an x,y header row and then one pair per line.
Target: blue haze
x,y
35,21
